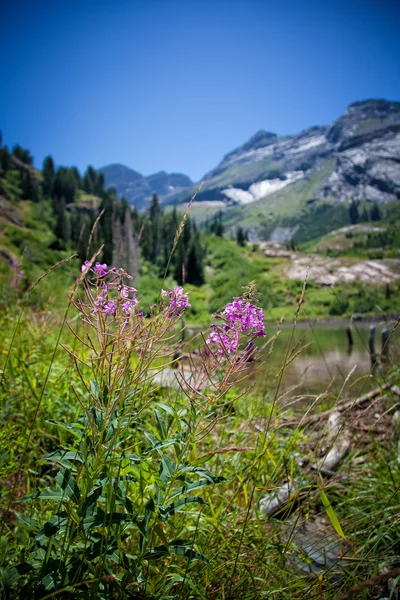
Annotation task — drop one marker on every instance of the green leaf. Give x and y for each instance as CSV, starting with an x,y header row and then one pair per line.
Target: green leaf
x,y
70,428
331,514
13,575
94,388
167,469
27,522
54,525
64,458
51,493
195,485
102,519
178,505
97,418
156,445
67,483
178,547
161,424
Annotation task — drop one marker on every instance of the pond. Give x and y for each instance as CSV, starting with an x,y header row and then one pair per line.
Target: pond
x,y
323,358
326,359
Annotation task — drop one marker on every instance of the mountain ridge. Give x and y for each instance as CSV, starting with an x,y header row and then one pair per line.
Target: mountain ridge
x,y
355,158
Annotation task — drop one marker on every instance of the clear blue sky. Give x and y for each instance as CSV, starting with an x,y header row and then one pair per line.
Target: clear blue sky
x,y
175,85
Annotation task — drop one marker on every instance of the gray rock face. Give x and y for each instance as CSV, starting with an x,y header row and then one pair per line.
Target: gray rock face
x,y
366,143
363,145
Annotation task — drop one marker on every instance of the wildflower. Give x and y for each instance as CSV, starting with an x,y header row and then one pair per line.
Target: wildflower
x,y
126,290
245,315
240,317
110,309
178,301
100,270
84,267
127,306
223,342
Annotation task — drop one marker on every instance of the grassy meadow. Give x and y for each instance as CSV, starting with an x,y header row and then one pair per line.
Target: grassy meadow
x,y
114,486
142,461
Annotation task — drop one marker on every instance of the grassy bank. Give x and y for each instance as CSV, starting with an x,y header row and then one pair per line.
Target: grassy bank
x,y
114,487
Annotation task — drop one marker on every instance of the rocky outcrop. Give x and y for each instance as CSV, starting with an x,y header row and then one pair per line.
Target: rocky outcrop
x,y
331,271
363,145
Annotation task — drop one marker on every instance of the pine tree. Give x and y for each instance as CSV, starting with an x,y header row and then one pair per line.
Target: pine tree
x,y
241,237
64,185
155,216
353,212
48,176
22,155
90,180
194,263
375,212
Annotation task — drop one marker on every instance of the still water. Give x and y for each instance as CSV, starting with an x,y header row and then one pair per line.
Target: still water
x,y
327,359
324,359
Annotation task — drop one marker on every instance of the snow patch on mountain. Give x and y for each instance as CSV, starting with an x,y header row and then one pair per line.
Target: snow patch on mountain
x,y
261,189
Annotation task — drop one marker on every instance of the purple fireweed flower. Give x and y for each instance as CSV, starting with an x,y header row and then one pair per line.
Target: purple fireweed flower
x,y
101,300
246,316
128,305
110,309
178,301
240,317
100,270
223,342
126,290
84,266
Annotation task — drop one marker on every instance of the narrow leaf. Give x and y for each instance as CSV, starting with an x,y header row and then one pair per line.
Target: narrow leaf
x,y
331,514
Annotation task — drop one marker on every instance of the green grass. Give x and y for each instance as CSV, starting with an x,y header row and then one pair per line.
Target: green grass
x,y
249,555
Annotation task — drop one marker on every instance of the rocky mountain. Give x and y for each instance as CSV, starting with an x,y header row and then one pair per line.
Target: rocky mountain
x,y
358,157
272,177
138,189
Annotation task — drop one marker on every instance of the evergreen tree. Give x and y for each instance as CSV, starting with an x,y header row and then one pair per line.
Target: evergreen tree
x,y
77,177
29,186
48,176
64,185
194,263
375,212
90,180
155,217
61,229
100,184
353,212
241,237
22,155
217,226
365,214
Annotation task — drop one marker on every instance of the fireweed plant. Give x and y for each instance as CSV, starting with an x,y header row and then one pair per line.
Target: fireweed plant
x,y
123,513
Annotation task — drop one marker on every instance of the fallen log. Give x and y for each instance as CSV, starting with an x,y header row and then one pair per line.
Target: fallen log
x,y
342,405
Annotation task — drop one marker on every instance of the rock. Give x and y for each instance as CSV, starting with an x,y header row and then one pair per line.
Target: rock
x,y
329,272
318,546
336,454
273,501
396,420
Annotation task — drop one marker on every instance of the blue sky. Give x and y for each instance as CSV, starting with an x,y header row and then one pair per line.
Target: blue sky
x,y
175,85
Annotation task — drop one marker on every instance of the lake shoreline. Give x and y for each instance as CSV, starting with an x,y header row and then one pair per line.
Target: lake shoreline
x,y
320,321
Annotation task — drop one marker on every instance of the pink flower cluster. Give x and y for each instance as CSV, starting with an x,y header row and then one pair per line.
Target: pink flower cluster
x,y
125,299
178,301
99,269
240,317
